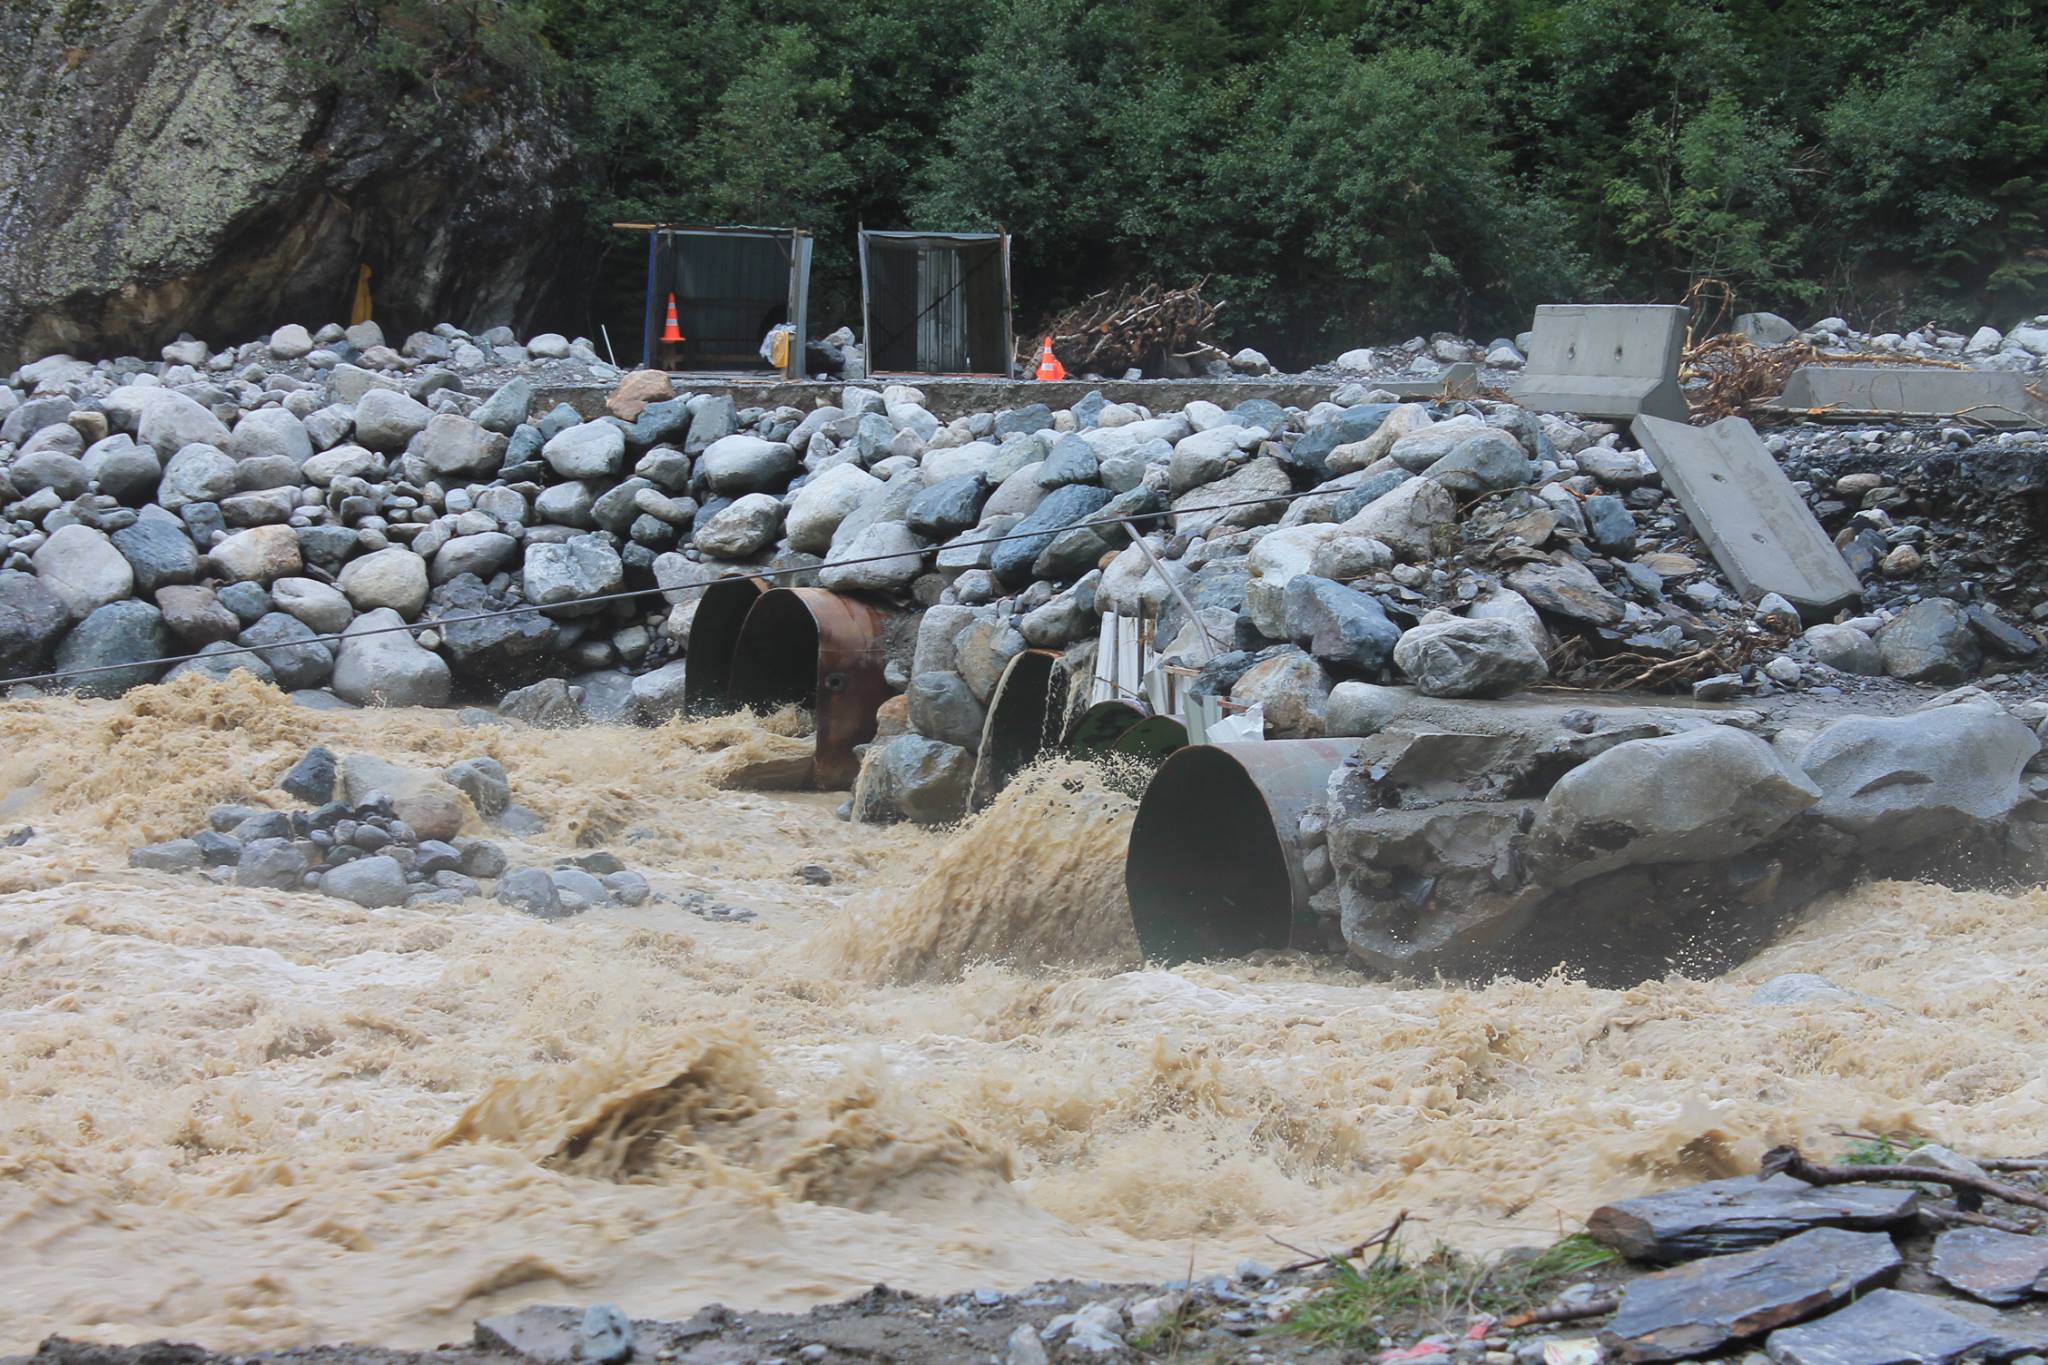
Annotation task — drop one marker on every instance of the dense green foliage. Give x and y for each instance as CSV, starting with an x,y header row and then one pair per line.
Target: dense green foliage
x,y
1340,169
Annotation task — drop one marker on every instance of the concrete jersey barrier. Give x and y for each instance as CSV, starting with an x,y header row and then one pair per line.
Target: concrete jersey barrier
x,y
1608,360
1754,522
1857,392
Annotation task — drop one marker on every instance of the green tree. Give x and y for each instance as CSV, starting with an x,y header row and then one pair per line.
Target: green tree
x,y
1712,197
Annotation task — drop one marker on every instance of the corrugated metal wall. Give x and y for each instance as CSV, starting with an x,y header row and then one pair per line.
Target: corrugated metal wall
x,y
936,306
729,291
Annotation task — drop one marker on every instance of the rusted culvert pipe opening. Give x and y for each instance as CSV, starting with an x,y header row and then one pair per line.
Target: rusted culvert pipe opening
x,y
1025,716
714,636
826,653
1215,861
775,658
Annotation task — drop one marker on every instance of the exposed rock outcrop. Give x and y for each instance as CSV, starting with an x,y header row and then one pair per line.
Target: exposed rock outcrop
x,y
163,168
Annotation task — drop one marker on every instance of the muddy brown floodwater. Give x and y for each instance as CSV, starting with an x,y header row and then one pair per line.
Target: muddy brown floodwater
x,y
252,1118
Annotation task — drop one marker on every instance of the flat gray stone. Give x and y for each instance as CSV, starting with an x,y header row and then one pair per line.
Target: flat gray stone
x,y
1724,1216
1893,1328
1695,1310
1997,1267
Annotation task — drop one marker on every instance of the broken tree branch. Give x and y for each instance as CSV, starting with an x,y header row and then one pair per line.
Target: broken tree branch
x,y
1788,1161
1378,1239
1563,1312
1957,1217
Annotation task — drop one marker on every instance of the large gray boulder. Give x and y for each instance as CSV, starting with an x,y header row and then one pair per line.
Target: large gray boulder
x,y
822,504
1484,461
1692,797
482,554
886,557
658,693
943,706
374,882
1845,649
1930,642
170,421
257,555
390,668
561,575
1342,627
747,464
127,633
83,567
159,549
289,651
268,433
1294,690
1410,520
1907,779
593,450
1470,657
484,642
61,473
322,608
387,421
920,779
32,617
506,408
394,577
1011,561
122,468
742,528
196,473
451,446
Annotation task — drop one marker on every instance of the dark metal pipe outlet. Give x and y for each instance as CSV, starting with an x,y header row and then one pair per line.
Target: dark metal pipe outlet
x,y
1215,867
818,650
714,635
1152,738
1097,729
1026,714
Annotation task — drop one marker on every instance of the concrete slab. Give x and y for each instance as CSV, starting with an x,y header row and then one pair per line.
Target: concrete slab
x,y
1756,525
1610,360
1860,392
1456,381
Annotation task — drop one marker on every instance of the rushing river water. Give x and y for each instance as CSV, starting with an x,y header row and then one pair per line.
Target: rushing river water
x,y
246,1117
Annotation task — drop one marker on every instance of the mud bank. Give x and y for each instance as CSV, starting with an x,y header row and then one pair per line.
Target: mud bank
x,y
256,1119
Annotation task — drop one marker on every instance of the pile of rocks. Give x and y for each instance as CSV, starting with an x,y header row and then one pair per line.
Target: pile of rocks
x,y
1809,1274
382,835
315,497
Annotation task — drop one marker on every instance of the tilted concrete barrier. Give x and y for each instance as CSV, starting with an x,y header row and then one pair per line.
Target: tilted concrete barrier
x,y
1753,521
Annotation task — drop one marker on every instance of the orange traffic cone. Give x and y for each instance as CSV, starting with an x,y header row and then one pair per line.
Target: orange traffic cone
x,y
674,330
1049,366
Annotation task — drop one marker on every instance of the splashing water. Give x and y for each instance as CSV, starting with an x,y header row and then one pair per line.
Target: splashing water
x,y
254,1118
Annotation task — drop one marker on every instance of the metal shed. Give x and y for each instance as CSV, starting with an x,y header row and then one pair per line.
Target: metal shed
x,y
732,284
937,302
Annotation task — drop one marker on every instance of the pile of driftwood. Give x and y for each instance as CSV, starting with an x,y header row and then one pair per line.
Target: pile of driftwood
x,y
1117,330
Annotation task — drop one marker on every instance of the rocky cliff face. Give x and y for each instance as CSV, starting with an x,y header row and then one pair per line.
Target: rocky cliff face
x,y
163,168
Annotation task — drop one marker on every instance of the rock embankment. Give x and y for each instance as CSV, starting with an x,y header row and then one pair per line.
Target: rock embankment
x,y
407,523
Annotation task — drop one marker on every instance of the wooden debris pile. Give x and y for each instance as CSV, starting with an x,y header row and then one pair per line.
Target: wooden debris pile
x,y
1117,330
